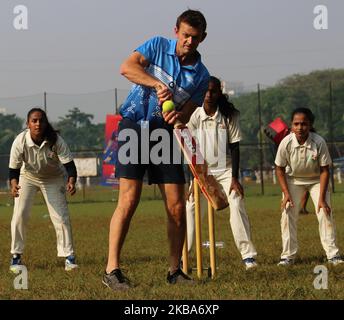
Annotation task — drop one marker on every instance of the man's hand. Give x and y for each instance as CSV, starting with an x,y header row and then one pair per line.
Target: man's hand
x,y
237,187
70,187
172,117
323,204
163,93
182,117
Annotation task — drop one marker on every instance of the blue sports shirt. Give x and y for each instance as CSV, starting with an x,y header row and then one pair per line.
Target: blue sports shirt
x,y
185,82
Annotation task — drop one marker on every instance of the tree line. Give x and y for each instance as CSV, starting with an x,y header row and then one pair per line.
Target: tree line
x,y
76,128
321,91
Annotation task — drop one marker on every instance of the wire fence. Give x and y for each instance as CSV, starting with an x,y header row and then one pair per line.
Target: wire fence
x,y
258,106
57,105
90,189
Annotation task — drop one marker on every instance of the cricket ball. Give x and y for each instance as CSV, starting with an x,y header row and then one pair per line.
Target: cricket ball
x,y
168,106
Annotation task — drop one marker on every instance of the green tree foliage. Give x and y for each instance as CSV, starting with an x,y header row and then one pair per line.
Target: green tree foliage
x,y
78,131
311,90
10,126
76,128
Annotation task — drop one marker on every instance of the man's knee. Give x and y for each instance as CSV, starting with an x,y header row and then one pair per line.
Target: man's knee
x,y
126,207
176,213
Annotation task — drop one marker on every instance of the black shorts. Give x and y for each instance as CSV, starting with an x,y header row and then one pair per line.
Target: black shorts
x,y
135,157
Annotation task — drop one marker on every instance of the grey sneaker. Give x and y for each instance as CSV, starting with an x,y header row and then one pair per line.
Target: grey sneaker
x,y
335,260
286,262
115,280
178,276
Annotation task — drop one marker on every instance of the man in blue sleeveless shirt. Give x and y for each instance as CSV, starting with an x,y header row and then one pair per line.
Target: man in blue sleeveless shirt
x,y
161,69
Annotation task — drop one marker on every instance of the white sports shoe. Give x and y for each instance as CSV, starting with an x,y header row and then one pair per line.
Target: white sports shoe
x,y
70,263
16,263
335,260
250,263
286,262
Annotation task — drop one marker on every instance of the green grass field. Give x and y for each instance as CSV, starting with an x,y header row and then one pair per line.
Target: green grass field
x,y
144,257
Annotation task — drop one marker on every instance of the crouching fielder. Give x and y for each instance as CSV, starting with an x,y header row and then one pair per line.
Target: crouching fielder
x,y
36,159
302,162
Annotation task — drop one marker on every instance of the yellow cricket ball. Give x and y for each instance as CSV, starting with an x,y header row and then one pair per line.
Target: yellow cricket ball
x,y
168,106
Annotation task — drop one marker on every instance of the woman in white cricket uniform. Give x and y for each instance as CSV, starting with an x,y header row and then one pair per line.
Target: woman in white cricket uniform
x,y
216,126
302,163
38,155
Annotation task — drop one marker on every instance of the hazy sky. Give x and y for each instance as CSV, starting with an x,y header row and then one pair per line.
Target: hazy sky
x,y
76,46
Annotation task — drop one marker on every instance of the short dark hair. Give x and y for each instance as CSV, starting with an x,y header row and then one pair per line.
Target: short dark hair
x,y
194,18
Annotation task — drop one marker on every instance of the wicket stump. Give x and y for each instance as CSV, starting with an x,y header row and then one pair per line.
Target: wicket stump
x,y
198,235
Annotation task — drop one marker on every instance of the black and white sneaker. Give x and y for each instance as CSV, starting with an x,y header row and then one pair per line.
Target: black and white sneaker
x,y
335,260
286,262
250,263
178,277
16,263
70,263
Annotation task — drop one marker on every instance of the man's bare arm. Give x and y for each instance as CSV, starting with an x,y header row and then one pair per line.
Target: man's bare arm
x,y
133,68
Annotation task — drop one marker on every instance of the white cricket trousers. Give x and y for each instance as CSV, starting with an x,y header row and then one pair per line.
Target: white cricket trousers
x,y
54,193
289,222
238,218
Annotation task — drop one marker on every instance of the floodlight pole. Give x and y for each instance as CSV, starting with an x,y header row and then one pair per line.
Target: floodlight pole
x,y
116,101
45,102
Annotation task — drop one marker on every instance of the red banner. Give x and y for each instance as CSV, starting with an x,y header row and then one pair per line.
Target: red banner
x,y
110,150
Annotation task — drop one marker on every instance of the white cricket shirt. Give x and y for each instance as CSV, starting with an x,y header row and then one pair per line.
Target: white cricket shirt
x,y
303,162
213,135
39,162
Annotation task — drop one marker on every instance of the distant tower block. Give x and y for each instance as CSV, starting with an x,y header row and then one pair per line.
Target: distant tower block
x,y
225,90
224,86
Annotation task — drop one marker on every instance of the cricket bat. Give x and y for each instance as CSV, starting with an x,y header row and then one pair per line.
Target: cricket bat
x,y
209,186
